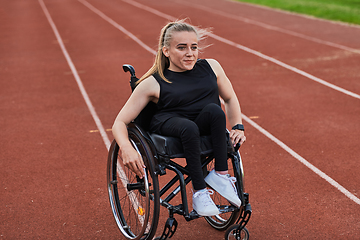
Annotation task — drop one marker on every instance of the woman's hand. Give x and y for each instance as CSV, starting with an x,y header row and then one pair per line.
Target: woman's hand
x,y
237,136
132,160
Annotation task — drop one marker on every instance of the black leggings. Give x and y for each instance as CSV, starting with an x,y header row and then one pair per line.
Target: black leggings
x,y
210,121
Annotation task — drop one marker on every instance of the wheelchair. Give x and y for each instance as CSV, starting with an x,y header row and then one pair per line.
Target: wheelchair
x,y
136,202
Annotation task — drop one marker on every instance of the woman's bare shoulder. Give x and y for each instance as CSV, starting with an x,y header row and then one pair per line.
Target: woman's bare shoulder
x,y
215,65
149,87
213,62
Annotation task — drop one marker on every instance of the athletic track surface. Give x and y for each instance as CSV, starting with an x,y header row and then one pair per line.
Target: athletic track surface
x,y
297,78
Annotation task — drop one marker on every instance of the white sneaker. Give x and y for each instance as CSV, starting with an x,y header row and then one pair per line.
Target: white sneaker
x,y
203,204
224,185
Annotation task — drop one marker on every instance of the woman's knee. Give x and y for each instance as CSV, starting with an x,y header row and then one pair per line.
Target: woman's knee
x,y
190,130
215,111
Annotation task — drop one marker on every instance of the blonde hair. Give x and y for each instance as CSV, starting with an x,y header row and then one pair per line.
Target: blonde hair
x,y
161,61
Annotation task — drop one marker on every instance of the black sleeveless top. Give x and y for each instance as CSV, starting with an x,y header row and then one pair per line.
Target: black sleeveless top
x,y
187,94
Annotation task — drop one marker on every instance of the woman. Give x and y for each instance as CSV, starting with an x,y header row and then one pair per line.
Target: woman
x,y
186,90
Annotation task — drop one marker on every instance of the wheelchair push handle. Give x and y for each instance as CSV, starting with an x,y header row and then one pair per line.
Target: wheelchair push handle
x,y
133,78
237,146
129,68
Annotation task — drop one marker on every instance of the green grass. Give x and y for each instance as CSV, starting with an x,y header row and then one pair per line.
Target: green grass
x,y
338,10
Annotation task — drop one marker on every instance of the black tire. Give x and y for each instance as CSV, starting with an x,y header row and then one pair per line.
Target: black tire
x,y
231,233
135,202
222,221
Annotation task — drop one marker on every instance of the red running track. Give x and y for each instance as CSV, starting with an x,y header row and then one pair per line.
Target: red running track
x,y
297,79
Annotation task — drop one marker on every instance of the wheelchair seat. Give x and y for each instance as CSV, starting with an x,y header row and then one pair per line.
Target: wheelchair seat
x,y
171,147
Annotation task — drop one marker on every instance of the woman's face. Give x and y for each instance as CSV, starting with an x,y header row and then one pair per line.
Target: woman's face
x,y
183,51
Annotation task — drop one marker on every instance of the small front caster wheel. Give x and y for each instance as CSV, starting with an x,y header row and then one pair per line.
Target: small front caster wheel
x,y
233,234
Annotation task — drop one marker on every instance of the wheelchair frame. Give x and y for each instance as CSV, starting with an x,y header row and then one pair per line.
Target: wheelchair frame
x,y
121,187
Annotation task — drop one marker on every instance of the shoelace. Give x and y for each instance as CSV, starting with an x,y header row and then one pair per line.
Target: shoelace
x,y
232,180
206,200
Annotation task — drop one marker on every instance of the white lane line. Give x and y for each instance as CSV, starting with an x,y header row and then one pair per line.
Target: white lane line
x,y
115,24
77,78
335,22
122,175
303,161
290,151
246,49
284,65
267,26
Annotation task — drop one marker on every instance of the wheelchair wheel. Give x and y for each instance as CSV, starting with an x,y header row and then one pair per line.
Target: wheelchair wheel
x,y
232,234
222,221
135,202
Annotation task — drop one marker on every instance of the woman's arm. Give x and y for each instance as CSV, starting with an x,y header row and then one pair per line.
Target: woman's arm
x,y
231,102
145,92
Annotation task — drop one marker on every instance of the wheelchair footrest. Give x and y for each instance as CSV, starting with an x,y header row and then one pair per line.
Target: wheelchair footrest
x,y
226,209
244,217
192,215
169,229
